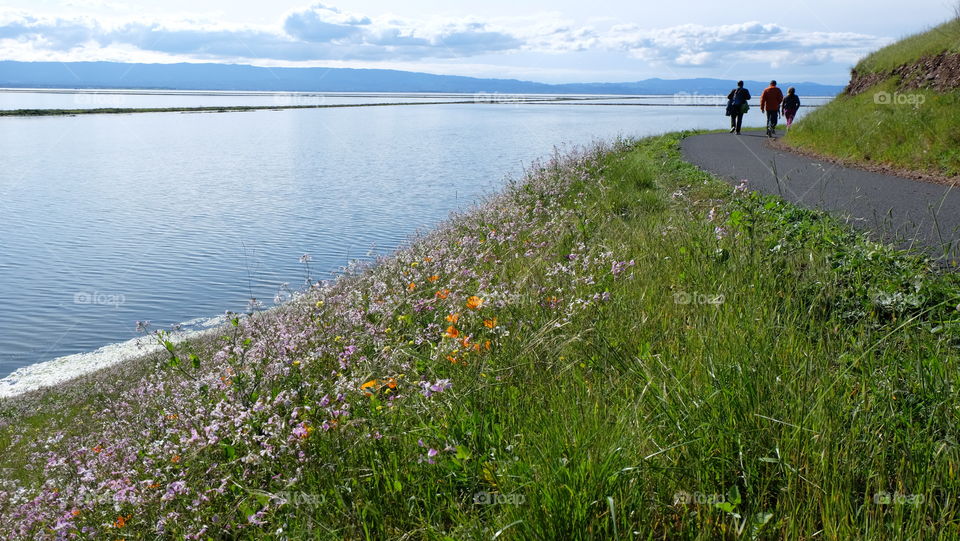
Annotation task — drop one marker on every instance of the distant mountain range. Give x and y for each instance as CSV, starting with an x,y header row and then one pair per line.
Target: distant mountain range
x,y
101,75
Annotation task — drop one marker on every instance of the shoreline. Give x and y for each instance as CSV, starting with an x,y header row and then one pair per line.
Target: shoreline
x,y
484,99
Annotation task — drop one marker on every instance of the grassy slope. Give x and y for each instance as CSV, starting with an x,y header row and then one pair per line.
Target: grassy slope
x,y
920,134
828,374
943,38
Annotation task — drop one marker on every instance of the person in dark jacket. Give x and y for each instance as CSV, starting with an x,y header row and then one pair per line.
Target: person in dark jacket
x,y
736,103
791,104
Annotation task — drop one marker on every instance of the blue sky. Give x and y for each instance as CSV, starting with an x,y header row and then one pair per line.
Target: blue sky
x,y
549,41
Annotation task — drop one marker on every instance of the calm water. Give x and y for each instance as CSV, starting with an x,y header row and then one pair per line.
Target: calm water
x,y
11,99
170,217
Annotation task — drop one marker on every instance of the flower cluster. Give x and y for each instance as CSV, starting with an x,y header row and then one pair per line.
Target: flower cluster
x,y
168,454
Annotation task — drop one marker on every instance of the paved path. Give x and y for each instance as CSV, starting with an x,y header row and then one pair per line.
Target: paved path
x,y
908,213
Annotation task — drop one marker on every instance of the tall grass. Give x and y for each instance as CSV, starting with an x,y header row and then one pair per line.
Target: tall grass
x,y
667,359
907,129
939,39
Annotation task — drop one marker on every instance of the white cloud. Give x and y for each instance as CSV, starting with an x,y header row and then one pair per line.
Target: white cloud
x,y
324,33
770,44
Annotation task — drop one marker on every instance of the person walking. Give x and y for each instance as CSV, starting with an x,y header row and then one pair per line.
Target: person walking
x,y
791,104
736,106
770,102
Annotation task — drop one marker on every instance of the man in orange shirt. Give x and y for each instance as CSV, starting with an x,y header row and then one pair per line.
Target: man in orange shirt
x,y
770,102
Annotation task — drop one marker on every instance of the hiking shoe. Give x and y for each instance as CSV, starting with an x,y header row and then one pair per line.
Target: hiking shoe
x,y
733,130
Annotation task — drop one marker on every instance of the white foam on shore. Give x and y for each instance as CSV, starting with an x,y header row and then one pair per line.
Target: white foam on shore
x,y
45,374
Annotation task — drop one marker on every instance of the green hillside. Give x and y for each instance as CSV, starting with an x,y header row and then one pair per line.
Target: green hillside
x,y
899,111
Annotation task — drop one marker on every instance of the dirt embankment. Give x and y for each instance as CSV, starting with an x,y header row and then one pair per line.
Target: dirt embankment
x,y
940,72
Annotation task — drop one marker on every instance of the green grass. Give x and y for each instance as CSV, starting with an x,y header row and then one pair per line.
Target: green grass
x,y
920,134
889,126
940,39
781,371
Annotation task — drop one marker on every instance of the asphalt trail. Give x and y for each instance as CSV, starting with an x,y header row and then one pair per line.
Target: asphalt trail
x,y
910,214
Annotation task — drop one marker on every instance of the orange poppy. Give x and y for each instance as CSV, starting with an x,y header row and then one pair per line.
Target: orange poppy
x,y
474,302
453,318
443,293
411,286
490,323
452,332
433,278
368,385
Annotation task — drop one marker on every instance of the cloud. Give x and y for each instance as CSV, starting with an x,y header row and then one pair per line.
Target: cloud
x,y
321,23
775,45
322,32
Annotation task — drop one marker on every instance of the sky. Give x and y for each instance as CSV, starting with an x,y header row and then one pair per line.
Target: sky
x,y
556,41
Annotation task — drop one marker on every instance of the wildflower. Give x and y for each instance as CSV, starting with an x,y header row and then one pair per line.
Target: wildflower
x,y
720,232
302,430
98,449
121,521
618,267
143,326
742,187
411,286
427,259
368,385
175,459
712,215
433,278
453,318
490,323
306,258
75,512
452,332
443,294
452,359
486,345
474,302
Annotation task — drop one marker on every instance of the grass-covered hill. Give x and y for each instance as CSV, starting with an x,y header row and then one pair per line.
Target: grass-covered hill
x,y
901,109
618,347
